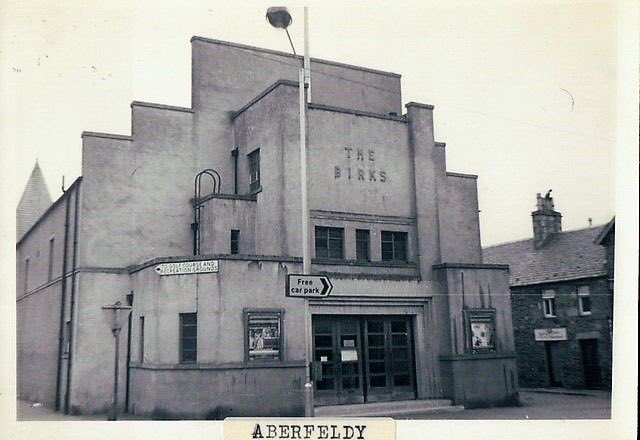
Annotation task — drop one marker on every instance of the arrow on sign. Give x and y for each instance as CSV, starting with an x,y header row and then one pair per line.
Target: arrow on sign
x,y
308,286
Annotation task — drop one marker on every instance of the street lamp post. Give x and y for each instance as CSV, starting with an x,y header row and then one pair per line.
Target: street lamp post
x,y
279,17
116,316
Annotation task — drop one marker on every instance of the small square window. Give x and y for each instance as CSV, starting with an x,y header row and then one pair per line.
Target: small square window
x,y
584,300
394,246
235,241
362,245
329,242
263,333
254,170
549,303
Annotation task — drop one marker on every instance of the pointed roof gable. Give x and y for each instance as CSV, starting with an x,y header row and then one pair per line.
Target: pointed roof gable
x,y
34,202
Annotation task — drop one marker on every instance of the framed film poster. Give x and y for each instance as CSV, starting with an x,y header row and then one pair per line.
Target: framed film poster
x,y
481,330
263,335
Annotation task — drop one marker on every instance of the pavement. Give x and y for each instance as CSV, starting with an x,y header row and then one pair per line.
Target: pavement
x,y
35,411
536,404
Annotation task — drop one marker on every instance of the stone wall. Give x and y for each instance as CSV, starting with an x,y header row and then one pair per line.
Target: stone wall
x,y
528,315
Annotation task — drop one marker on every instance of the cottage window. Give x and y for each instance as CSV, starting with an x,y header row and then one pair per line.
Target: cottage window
x,y
394,246
362,245
329,242
235,241
263,335
549,303
584,300
254,170
188,337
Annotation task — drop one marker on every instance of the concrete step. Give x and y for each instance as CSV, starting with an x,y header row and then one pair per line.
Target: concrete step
x,y
381,409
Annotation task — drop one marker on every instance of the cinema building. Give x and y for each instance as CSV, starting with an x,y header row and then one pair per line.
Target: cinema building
x,y
203,258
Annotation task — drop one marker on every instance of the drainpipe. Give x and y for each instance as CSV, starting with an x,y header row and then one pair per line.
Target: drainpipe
x,y
73,294
234,153
63,295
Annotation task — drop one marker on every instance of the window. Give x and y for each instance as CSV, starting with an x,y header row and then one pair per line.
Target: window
x,y
362,245
188,337
141,343
254,170
26,275
67,337
235,241
329,242
394,246
263,330
584,300
50,271
549,303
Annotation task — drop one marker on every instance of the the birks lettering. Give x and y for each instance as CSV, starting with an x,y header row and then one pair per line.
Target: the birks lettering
x,y
361,167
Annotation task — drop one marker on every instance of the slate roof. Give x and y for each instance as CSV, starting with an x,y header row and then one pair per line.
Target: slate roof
x,y
34,202
565,256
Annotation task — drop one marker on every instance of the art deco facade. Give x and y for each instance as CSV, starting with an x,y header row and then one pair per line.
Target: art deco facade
x,y
414,313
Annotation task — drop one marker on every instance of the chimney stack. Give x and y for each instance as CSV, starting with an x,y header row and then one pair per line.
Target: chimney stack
x,y
546,221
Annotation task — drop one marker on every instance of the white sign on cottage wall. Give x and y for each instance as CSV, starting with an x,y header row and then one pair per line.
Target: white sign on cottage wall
x,y
550,334
187,267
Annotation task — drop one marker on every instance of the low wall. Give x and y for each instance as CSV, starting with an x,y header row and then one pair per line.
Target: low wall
x,y
483,380
201,392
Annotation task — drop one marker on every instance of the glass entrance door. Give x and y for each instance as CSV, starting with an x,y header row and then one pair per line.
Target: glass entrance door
x,y
336,345
363,359
388,359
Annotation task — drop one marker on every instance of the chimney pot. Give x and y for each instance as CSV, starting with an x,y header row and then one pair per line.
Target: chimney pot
x,y
546,221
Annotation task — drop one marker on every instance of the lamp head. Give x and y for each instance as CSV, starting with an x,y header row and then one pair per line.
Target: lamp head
x,y
116,315
279,17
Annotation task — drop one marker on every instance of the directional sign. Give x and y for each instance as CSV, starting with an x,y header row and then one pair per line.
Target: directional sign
x,y
186,267
308,286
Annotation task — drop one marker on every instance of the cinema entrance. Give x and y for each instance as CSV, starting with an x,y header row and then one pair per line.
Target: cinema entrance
x,y
363,359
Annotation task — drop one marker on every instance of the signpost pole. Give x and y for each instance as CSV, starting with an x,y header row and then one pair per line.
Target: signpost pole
x,y
306,254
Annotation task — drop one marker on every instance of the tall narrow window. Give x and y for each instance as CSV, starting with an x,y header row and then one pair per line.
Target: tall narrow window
x,y
329,242
188,337
254,170
394,246
584,300
50,271
67,337
141,342
235,241
362,245
549,303
26,275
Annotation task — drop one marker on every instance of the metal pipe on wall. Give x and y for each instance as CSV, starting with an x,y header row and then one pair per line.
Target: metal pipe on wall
x,y
63,300
72,307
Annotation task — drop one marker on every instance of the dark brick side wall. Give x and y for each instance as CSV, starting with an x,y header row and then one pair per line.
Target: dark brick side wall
x,y
528,315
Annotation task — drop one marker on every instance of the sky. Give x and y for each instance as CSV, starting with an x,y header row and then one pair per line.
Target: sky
x,y
524,92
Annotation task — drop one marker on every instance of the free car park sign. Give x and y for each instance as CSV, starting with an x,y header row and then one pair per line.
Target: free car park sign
x,y
308,286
